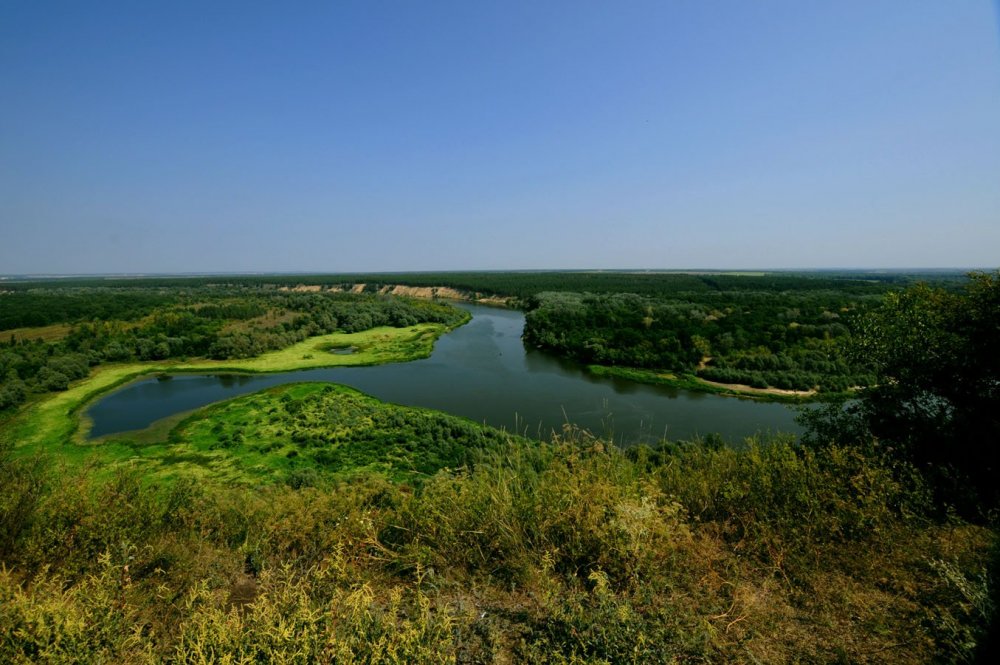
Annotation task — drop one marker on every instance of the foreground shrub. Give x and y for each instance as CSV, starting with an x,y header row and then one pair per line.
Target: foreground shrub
x,y
772,497
93,620
585,508
22,485
287,623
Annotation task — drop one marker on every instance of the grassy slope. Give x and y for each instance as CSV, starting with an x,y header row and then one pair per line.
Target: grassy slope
x,y
54,418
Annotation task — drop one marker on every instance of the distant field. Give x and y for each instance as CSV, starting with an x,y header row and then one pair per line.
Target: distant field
x,y
526,283
50,333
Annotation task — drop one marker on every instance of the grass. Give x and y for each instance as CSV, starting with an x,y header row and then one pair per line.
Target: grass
x,y
372,347
570,552
54,419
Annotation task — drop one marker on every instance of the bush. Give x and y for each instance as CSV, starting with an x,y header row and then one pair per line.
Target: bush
x,y
776,497
22,486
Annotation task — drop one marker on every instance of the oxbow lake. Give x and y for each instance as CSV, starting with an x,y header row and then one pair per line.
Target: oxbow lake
x,y
481,371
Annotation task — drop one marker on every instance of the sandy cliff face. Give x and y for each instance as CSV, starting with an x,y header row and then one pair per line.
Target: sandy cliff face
x,y
425,292
445,292
302,288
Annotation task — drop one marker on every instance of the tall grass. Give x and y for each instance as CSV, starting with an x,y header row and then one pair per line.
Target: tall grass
x,y
568,552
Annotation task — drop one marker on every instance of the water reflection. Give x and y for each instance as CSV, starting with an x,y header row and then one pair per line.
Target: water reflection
x,y
233,380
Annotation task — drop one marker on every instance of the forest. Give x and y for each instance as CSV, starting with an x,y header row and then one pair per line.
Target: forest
x,y
759,338
310,523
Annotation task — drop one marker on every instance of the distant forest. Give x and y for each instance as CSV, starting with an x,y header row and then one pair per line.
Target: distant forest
x,y
757,338
529,283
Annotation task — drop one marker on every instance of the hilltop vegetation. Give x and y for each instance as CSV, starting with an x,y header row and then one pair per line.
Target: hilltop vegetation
x,y
572,551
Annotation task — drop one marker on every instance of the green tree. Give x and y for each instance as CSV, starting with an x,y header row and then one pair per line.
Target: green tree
x,y
936,397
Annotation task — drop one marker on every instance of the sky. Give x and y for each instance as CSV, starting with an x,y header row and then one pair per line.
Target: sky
x,y
369,136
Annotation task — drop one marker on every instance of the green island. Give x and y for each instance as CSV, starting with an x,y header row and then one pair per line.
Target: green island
x,y
295,434
312,523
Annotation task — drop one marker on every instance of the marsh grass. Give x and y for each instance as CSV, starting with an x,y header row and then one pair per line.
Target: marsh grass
x,y
49,333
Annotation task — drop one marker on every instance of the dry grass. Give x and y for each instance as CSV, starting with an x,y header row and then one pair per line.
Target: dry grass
x,y
52,333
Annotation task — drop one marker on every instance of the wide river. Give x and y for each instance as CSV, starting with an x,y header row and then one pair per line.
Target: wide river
x,y
481,371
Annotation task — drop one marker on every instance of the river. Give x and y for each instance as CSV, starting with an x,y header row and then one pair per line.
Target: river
x,y
481,371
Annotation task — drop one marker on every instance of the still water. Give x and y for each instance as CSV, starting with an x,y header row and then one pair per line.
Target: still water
x,y
481,371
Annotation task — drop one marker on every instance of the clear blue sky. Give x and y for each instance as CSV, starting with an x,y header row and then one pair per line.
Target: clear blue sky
x,y
352,136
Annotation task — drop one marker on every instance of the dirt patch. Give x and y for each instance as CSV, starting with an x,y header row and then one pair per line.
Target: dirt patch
x,y
302,288
242,592
427,292
739,387
496,301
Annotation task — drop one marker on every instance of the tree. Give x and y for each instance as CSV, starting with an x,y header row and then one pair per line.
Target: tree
x,y
936,398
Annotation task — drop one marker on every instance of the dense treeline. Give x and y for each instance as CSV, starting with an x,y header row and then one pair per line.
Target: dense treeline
x,y
41,307
525,284
208,322
788,340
